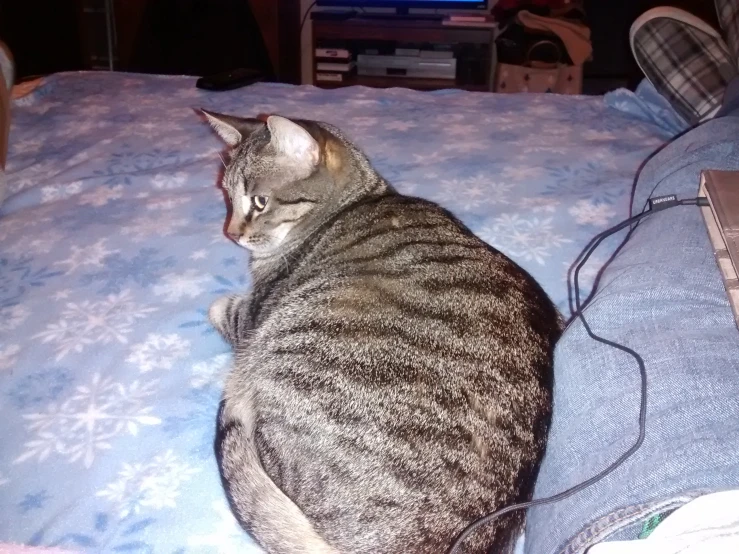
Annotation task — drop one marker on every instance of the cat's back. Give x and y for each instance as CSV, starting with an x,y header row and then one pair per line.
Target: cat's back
x,y
401,254
407,366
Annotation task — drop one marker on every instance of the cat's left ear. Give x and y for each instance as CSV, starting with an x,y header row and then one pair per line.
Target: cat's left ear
x,y
232,129
294,142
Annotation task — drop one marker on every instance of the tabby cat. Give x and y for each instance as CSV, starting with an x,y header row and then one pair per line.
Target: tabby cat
x,y
392,372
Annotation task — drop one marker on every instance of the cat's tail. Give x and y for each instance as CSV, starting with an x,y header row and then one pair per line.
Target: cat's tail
x,y
263,509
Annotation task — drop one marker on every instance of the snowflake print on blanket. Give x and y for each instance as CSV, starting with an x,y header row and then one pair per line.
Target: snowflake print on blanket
x,y
145,227
153,485
175,287
472,193
12,316
158,352
210,372
587,212
144,269
528,239
8,356
100,322
87,421
81,256
112,247
102,195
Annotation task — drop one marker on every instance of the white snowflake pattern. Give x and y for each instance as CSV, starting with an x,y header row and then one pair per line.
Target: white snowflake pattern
x,y
587,212
226,536
42,243
146,226
28,146
96,110
537,204
154,485
199,255
86,256
457,129
82,128
465,146
3,480
168,203
168,181
521,173
10,226
544,149
398,125
529,239
88,420
595,135
32,176
187,92
432,157
52,193
100,196
540,110
210,372
447,118
514,124
13,316
94,322
472,192
158,352
407,187
148,129
9,356
62,294
176,286
78,158
43,108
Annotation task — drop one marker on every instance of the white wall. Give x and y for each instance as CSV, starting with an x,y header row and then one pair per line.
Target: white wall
x,y
306,39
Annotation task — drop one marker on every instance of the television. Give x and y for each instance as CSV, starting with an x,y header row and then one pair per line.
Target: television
x,y
403,5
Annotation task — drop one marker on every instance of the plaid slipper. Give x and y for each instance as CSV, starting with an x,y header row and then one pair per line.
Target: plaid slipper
x,y
685,59
728,17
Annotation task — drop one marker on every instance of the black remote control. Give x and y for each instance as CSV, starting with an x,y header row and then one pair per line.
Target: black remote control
x,y
230,80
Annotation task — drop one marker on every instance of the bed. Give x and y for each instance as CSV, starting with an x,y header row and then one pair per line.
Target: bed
x,y
112,247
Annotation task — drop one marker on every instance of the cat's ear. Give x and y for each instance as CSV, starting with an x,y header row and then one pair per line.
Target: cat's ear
x,y
294,142
232,129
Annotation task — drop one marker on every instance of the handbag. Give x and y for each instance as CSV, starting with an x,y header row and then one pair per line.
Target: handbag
x,y
541,77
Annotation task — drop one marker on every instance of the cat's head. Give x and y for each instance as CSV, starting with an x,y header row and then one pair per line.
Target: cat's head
x,y
280,174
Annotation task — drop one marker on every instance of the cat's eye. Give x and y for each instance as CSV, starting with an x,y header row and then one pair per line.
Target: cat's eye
x,y
260,202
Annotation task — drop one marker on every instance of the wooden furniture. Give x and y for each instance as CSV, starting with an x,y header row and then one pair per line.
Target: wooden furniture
x,y
139,37
354,29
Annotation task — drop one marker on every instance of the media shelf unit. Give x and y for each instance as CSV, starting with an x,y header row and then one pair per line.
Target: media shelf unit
x,y
351,32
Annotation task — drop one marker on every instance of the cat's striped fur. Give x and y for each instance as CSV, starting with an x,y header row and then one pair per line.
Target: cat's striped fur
x,y
392,373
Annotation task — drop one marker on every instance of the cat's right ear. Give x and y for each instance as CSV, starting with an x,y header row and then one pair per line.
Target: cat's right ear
x,y
232,129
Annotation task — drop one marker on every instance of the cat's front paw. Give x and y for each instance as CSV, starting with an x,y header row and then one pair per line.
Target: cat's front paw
x,y
218,314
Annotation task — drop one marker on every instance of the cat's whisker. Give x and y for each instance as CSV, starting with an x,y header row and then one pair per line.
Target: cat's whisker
x,y
222,160
287,265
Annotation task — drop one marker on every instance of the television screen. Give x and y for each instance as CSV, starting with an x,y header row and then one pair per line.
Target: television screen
x,y
433,4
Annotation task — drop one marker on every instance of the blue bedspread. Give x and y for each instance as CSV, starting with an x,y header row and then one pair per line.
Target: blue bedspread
x,y
112,248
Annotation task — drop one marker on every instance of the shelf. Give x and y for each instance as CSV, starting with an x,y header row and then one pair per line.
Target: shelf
x,y
400,82
354,31
408,30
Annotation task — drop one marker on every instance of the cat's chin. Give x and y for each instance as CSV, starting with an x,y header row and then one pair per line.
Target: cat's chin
x,y
257,250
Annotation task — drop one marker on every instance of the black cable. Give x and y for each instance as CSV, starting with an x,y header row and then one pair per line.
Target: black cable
x,y
305,18
656,204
